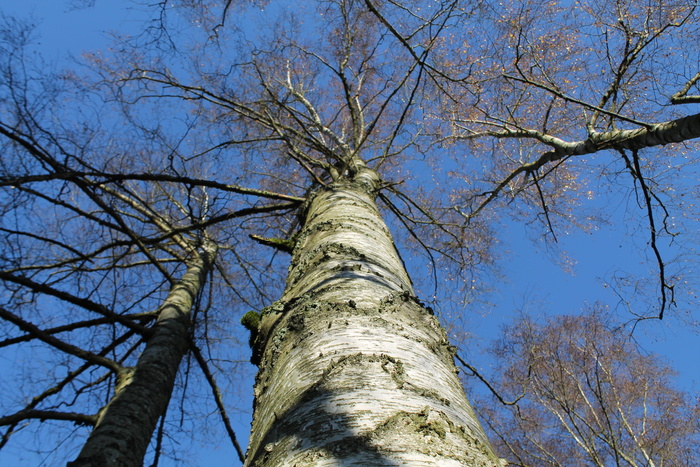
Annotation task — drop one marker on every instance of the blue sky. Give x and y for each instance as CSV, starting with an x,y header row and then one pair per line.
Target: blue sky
x,y
534,279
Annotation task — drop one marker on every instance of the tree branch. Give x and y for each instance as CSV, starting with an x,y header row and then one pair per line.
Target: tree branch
x,y
476,373
81,302
59,344
28,414
682,97
219,400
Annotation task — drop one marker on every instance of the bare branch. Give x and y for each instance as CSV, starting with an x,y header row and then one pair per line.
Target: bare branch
x,y
70,298
30,328
636,171
476,373
141,317
29,414
219,400
682,97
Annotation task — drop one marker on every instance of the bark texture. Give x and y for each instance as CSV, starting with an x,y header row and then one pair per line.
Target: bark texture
x,y
354,370
125,425
673,131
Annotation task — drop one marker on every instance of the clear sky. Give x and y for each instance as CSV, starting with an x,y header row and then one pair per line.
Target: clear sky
x,y
533,277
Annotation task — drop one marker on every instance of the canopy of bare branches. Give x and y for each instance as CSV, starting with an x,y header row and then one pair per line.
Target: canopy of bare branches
x,y
208,126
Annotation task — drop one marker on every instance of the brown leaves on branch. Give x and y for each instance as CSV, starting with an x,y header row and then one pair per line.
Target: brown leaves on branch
x,y
591,397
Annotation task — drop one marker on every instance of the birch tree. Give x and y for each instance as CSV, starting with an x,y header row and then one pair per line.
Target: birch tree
x,y
106,267
315,129
587,396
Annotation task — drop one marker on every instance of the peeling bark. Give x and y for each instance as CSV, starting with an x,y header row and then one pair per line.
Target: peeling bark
x,y
354,370
125,425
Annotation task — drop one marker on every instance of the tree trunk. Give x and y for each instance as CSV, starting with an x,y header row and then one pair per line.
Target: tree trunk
x,y
353,369
125,425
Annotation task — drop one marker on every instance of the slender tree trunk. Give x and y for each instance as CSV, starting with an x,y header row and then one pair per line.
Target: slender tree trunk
x,y
354,370
126,424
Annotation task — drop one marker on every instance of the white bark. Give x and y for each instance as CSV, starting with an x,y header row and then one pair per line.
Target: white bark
x,y
125,425
353,369
659,134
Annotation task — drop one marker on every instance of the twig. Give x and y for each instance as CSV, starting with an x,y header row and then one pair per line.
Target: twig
x,y
488,385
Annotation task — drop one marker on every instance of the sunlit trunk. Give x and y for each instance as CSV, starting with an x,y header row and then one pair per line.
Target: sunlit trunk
x,y
126,424
353,369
